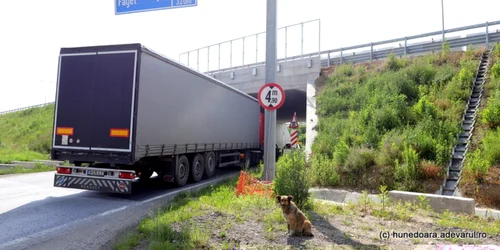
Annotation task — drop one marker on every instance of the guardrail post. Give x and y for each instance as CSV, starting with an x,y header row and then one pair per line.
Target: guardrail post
x,y
188,58
302,40
256,48
208,58
219,56
286,44
371,51
406,40
341,55
487,34
328,59
198,59
231,54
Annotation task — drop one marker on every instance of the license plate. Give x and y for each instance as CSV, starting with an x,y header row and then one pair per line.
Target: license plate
x,y
95,173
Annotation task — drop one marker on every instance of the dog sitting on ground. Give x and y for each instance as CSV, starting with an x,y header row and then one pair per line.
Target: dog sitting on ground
x,y
297,222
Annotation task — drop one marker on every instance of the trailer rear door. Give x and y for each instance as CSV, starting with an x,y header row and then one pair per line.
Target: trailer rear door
x,y
95,101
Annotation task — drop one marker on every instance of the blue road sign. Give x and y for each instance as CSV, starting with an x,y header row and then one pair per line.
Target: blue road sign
x,y
133,6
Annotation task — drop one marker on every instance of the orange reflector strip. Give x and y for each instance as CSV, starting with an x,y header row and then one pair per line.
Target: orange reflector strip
x,y
64,131
115,132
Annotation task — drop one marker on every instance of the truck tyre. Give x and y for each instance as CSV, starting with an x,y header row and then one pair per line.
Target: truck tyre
x,y
197,168
210,163
181,170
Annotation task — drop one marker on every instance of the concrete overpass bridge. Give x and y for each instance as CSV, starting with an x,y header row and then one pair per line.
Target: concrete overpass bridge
x,y
297,73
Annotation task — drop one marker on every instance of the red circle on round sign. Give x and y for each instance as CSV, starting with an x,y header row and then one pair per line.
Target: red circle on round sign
x,y
122,185
271,86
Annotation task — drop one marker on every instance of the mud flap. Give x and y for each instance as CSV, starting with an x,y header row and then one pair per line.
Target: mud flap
x,y
96,184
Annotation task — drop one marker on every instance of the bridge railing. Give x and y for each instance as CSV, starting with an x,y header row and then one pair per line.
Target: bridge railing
x,y
415,44
25,108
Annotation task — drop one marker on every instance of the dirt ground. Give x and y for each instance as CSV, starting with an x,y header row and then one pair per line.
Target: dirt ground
x,y
362,232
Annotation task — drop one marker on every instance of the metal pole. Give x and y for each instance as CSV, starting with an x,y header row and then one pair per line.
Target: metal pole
x,y
341,55
243,59
302,40
270,116
319,41
442,17
231,54
371,51
219,56
487,40
256,48
188,58
208,58
406,43
198,59
286,41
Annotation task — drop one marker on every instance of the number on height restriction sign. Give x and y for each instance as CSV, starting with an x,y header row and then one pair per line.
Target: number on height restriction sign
x,y
271,96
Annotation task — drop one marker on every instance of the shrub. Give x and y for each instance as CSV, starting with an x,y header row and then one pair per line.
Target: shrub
x,y
322,171
491,147
495,70
341,153
421,74
496,49
445,48
491,114
394,63
291,177
344,70
406,173
430,170
358,161
477,165
445,74
424,108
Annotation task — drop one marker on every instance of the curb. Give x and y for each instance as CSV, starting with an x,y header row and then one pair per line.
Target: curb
x,y
439,203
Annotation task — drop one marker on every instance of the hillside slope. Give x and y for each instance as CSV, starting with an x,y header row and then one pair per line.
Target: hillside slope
x,y
26,135
392,122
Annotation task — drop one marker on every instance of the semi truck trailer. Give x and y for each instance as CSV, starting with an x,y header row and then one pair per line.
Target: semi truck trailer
x,y
123,112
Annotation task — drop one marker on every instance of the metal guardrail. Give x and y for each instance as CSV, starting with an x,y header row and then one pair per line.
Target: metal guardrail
x,y
348,55
25,108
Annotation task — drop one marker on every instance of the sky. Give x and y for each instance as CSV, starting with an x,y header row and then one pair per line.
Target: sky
x,y
32,37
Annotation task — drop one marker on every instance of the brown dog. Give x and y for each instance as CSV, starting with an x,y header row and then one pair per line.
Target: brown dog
x,y
297,222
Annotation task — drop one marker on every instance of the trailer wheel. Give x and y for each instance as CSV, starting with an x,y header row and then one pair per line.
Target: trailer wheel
x,y
181,170
197,168
210,163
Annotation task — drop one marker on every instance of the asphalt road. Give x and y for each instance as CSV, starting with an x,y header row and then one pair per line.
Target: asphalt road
x,y
36,215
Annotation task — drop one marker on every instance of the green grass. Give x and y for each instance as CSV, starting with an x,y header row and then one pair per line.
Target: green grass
x,y
26,135
22,170
392,122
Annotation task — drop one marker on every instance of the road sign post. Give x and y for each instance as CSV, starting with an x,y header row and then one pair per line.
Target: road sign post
x,y
270,115
133,6
294,125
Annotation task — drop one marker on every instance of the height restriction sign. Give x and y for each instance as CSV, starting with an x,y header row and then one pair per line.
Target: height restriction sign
x,y
271,96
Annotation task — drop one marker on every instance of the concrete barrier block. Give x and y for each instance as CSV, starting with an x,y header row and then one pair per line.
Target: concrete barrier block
x,y
328,194
7,166
50,163
439,203
25,164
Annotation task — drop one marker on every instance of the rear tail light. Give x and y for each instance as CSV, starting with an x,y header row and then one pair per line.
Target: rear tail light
x,y
61,170
242,156
126,175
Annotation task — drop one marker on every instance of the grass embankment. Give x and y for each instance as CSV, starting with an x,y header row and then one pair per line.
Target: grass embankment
x,y
392,122
25,136
481,178
216,218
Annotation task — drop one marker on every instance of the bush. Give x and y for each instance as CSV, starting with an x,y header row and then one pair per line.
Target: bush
x,y
291,177
477,165
421,74
358,161
491,114
430,170
424,108
495,70
322,171
344,70
394,63
406,173
491,147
